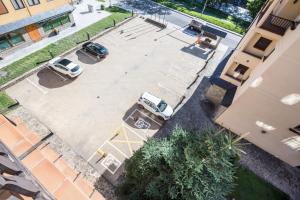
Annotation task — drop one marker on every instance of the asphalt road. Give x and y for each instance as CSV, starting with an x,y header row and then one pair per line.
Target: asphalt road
x,y
147,7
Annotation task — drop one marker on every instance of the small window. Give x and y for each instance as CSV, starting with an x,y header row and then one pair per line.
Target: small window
x,y
33,2
262,43
3,9
296,129
241,69
18,4
15,38
4,44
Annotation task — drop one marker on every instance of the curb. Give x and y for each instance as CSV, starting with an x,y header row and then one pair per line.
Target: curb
x,y
210,24
42,66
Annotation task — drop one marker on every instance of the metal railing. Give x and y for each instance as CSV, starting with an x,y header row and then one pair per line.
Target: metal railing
x,y
277,24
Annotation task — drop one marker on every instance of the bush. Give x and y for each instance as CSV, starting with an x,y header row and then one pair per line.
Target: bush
x,y
198,166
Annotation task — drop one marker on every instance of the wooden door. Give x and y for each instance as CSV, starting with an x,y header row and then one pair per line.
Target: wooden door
x,y
33,32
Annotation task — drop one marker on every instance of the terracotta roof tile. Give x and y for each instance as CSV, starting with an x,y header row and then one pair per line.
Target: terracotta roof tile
x,y
68,191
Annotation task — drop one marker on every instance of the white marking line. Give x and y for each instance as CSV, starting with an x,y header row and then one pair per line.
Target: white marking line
x,y
110,156
36,86
121,152
63,78
138,135
91,157
168,89
149,117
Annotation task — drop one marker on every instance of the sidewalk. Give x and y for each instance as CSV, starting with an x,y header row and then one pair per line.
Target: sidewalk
x,y
82,19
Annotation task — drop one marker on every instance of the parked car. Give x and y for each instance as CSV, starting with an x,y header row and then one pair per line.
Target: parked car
x,y
196,26
155,105
95,49
65,66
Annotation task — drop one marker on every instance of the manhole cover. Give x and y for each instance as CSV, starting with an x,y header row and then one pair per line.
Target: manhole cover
x,y
3,73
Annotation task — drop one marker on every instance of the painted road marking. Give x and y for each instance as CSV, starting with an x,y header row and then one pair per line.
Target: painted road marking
x,y
111,161
36,86
116,148
63,78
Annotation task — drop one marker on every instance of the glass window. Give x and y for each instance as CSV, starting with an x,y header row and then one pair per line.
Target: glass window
x,y
18,4
56,23
15,38
241,69
33,2
47,27
262,44
4,44
65,20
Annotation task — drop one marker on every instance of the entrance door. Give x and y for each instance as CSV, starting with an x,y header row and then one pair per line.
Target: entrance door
x,y
33,32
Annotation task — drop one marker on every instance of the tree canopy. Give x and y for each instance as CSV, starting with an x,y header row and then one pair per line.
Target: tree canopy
x,y
185,166
254,6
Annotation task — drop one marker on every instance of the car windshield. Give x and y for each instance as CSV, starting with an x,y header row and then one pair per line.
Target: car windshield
x,y
100,48
64,62
162,105
75,69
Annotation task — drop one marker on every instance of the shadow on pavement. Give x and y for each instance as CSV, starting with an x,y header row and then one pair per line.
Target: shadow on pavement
x,y
86,58
191,115
50,79
139,118
200,52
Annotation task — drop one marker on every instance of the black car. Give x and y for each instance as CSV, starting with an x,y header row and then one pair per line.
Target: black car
x,y
95,49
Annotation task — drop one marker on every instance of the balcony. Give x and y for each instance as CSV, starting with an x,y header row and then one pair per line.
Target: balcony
x,y
277,24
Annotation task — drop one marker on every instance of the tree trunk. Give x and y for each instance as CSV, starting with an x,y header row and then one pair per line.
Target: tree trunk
x,y
204,6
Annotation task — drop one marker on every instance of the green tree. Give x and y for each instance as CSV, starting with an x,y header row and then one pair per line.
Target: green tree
x,y
254,6
198,166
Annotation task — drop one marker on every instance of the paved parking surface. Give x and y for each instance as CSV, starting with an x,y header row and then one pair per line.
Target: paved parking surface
x,y
96,113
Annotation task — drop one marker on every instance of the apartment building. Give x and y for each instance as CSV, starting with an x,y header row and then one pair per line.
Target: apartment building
x,y
258,91
25,21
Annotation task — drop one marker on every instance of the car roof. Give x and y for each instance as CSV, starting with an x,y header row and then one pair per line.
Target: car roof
x,y
151,98
96,45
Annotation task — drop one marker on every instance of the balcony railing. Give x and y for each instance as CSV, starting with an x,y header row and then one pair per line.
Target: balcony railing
x,y
277,24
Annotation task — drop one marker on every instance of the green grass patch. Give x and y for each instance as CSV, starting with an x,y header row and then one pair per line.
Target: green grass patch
x,y
250,187
211,15
31,61
5,101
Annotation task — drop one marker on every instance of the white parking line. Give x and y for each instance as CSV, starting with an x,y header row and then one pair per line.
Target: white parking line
x,y
36,86
149,117
168,89
116,148
63,78
138,135
91,157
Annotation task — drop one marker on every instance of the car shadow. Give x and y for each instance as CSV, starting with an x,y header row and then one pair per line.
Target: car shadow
x,y
199,51
50,79
86,58
139,118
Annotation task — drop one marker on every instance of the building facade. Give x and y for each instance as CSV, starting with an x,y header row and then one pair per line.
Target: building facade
x,y
25,21
258,91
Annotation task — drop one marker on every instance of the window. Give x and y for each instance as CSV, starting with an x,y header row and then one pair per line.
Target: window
x,y
10,40
4,44
241,69
3,9
18,4
262,43
51,24
33,2
296,129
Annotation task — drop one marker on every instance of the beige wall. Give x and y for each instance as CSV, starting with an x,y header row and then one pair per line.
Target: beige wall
x,y
263,103
14,15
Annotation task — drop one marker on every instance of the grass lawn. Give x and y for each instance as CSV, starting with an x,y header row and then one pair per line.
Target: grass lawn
x,y
251,187
5,101
211,15
31,61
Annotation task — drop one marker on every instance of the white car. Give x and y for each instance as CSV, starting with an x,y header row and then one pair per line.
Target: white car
x,y
155,105
65,66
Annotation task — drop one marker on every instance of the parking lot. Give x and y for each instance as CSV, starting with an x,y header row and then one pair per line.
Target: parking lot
x,y
96,113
